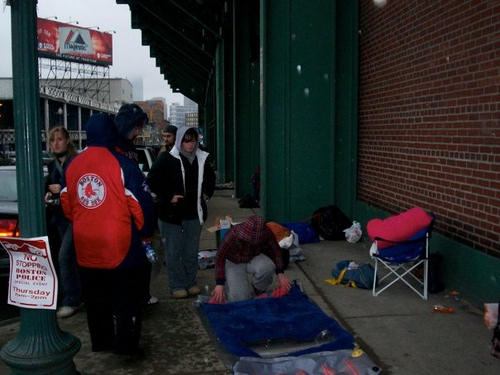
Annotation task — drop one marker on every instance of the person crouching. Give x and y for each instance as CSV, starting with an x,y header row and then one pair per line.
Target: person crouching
x,y
248,248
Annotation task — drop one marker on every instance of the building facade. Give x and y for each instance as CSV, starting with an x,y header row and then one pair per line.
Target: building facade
x,y
177,113
155,109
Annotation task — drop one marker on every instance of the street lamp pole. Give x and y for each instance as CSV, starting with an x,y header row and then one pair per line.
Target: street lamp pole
x,y
40,347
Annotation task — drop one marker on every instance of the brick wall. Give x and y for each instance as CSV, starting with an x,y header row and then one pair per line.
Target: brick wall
x,y
429,113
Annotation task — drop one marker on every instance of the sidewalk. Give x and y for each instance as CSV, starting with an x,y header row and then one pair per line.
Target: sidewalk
x,y
397,329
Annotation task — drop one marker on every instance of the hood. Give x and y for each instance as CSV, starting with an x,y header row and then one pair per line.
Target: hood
x,y
180,134
251,230
101,130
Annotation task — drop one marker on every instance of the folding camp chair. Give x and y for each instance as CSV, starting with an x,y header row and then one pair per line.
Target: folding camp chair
x,y
400,261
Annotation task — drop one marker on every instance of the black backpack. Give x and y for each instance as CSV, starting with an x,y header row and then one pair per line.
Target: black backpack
x,y
329,222
248,202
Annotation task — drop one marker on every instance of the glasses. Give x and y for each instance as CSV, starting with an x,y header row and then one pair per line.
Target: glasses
x,y
188,140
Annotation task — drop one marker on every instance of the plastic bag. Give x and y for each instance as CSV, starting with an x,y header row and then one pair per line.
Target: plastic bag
x,y
354,233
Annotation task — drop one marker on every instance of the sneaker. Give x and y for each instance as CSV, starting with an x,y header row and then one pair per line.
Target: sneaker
x,y
179,293
66,311
152,301
194,290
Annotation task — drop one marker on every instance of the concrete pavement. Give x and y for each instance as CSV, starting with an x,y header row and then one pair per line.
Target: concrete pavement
x,y
397,329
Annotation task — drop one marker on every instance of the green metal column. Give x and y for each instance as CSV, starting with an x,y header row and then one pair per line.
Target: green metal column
x,y
346,120
220,115
40,347
246,34
297,107
234,89
229,91
209,122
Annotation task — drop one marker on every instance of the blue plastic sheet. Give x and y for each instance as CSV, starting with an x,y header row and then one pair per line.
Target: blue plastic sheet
x,y
293,317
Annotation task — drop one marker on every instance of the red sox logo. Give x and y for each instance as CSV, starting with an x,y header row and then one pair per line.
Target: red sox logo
x,y
91,191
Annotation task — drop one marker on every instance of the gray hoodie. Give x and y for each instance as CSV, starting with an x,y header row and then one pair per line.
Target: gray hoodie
x,y
178,143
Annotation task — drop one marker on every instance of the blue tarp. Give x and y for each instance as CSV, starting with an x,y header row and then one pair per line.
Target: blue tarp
x,y
293,317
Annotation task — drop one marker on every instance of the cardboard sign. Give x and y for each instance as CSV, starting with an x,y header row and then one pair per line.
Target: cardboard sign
x,y
32,280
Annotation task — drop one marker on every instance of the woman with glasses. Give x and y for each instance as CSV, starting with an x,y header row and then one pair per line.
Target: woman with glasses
x,y
183,180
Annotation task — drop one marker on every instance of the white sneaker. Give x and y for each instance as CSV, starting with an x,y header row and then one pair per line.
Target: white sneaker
x,y
152,301
66,311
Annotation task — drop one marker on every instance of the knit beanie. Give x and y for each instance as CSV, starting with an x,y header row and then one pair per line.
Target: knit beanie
x,y
128,117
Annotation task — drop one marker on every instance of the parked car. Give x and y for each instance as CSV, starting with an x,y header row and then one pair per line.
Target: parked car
x,y
146,157
9,225
46,158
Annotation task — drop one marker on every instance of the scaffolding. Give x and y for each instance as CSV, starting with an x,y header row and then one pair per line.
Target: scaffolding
x,y
86,80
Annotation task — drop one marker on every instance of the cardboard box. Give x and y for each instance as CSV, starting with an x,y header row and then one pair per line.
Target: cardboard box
x,y
221,227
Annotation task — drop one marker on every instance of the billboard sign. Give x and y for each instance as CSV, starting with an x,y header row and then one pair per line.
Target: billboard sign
x,y
63,41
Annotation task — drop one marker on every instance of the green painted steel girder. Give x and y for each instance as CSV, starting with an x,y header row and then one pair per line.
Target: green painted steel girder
x,y
346,121
202,23
202,62
246,95
165,54
155,37
178,65
220,118
149,13
297,107
40,347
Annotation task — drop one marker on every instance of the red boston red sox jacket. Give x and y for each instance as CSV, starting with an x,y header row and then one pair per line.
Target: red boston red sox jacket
x,y
100,197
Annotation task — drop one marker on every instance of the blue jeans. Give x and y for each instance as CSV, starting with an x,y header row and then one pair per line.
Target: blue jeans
x,y
181,244
70,278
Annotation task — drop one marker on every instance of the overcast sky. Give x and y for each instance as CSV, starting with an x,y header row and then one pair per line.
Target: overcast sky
x,y
130,58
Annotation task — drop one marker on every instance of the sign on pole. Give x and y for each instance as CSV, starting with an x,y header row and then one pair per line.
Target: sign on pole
x,y
32,279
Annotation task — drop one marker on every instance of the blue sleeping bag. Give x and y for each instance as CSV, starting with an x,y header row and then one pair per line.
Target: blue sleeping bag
x,y
293,317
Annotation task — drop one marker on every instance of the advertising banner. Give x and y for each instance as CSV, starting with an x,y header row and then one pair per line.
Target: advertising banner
x,y
32,279
63,41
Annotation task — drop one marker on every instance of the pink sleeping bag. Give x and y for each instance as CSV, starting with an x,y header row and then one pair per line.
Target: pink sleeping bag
x,y
398,227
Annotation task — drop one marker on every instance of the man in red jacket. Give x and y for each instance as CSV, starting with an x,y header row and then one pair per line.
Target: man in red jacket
x,y
107,200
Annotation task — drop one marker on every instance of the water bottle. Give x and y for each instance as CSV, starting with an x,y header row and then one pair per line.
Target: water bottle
x,y
150,252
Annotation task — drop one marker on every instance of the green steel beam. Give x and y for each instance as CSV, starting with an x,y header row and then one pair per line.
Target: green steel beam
x,y
229,95
346,128
200,61
185,78
263,25
209,124
246,97
161,20
177,64
234,101
194,17
220,117
40,347
297,107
